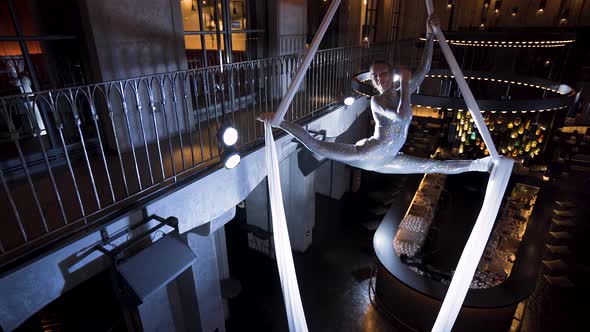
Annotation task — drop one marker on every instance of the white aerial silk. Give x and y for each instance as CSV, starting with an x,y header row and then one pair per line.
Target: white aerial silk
x,y
293,306
284,257
491,204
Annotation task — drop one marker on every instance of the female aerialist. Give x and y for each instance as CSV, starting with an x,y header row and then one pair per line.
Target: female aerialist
x,y
392,114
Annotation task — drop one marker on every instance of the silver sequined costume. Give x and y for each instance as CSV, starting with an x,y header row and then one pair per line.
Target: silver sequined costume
x,y
380,152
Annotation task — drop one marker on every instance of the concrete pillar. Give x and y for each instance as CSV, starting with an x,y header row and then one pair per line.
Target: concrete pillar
x,y
257,208
206,282
333,179
287,26
298,199
165,310
130,38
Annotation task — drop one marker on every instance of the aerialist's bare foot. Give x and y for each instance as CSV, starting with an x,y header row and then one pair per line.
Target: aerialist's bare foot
x,y
265,116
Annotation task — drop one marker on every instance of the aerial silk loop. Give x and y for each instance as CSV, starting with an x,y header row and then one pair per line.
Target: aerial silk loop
x,y
475,246
497,184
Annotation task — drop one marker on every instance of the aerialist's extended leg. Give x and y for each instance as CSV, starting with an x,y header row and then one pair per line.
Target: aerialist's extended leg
x,y
336,151
405,164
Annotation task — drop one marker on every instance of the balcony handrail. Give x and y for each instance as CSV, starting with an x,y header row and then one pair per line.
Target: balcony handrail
x,y
99,149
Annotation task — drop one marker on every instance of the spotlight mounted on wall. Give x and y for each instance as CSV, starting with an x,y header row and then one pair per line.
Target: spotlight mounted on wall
x,y
227,135
230,157
449,4
486,3
514,11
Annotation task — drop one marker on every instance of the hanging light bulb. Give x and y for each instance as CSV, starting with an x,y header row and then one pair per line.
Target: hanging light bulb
x,y
538,131
517,121
461,149
527,126
514,11
462,122
541,9
473,135
515,153
510,125
527,148
482,146
463,137
540,140
514,134
486,152
520,130
466,126
499,120
534,144
497,6
503,150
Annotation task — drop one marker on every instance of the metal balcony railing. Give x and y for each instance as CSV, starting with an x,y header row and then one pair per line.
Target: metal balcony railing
x,y
78,157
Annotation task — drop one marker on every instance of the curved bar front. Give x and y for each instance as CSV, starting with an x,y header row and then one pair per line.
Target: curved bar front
x,y
415,300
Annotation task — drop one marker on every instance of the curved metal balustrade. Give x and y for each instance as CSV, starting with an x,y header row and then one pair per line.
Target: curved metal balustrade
x,y
78,157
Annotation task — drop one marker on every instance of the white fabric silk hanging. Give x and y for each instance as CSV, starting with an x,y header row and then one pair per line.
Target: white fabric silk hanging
x,y
491,204
284,256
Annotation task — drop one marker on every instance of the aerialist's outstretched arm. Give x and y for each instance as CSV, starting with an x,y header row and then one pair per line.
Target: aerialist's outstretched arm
x,y
426,61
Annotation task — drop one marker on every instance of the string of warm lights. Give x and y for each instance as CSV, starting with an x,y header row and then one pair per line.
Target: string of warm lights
x,y
500,81
495,111
510,44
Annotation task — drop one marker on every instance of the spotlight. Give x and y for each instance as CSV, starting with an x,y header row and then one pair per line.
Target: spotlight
x,y
396,77
230,158
349,101
228,135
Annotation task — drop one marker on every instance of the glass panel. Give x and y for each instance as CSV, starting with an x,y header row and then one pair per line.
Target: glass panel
x,y
6,26
194,50
14,77
209,15
190,15
26,18
238,14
